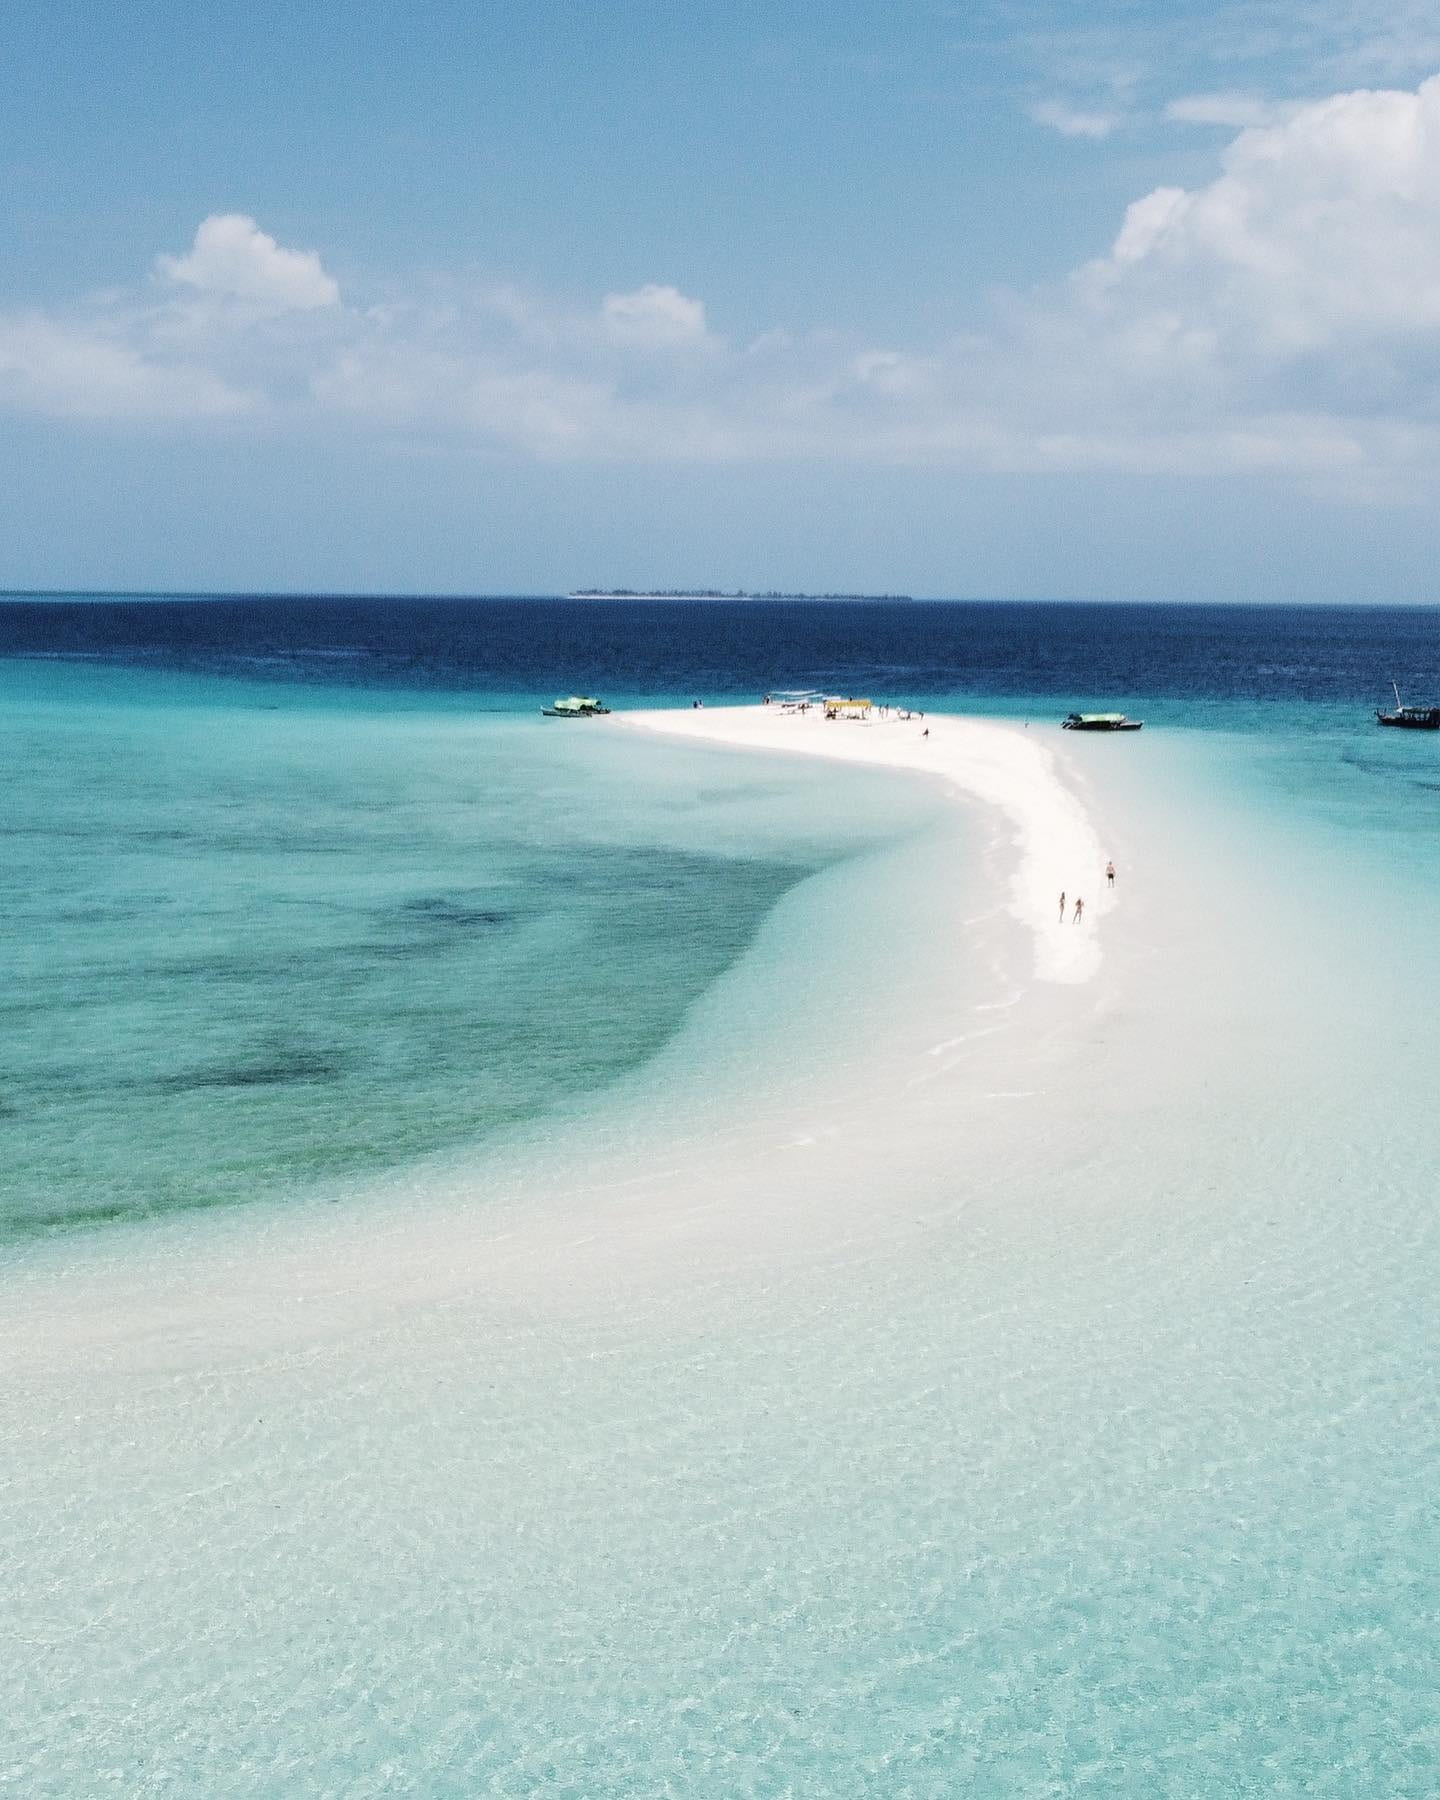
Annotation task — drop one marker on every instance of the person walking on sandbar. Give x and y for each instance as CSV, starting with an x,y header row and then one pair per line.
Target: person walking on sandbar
x,y
1079,911
1062,906
1110,874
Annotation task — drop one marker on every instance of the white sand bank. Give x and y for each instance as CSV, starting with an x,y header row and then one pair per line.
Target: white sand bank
x,y
1004,766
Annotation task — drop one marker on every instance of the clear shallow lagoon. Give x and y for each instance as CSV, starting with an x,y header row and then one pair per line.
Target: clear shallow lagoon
x,y
254,943
1075,1434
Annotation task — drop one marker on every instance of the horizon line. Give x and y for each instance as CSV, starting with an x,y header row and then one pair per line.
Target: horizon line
x,y
8,594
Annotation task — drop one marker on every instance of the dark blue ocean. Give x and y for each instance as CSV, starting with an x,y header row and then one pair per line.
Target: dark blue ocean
x,y
1195,664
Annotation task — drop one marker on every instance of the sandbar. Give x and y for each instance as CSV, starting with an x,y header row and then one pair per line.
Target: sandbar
x,y
1056,844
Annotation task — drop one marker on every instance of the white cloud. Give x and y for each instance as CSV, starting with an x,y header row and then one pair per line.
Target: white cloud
x,y
1321,233
1314,46
654,315
1282,318
232,258
1074,122
76,370
410,388
1236,110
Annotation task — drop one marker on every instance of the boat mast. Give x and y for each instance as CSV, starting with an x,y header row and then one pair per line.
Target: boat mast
x,y
1399,704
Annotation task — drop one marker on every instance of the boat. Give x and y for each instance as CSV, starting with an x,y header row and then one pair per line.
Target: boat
x,y
1409,718
575,706
1099,722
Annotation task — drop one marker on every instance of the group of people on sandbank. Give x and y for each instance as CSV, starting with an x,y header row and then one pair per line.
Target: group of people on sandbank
x,y
836,706
1077,910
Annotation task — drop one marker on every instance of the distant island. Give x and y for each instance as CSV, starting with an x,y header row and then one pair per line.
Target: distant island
x,y
716,594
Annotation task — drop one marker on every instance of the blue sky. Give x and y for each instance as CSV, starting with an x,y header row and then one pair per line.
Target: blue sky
x,y
986,299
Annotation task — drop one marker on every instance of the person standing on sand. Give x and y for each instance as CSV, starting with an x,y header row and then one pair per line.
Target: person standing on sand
x,y
1079,912
1062,906
1110,874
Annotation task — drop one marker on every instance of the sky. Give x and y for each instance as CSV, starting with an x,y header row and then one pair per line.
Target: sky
x,y
1002,300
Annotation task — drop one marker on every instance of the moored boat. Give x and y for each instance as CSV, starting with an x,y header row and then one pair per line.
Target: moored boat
x,y
1099,722
1409,718
575,706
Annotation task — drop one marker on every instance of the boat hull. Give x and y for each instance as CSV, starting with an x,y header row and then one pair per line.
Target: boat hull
x,y
1428,721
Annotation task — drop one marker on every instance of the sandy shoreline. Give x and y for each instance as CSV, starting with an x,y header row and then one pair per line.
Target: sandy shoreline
x,y
570,1214
1006,767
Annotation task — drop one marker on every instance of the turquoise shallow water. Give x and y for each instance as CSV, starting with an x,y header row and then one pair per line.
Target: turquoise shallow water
x,y
824,1416
255,946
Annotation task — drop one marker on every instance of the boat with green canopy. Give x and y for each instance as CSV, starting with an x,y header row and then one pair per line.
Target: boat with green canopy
x,y
575,706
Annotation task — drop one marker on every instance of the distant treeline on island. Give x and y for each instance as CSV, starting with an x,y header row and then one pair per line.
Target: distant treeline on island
x,y
716,594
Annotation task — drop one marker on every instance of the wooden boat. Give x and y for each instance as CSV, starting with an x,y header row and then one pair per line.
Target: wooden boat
x,y
1410,718
576,706
1099,722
